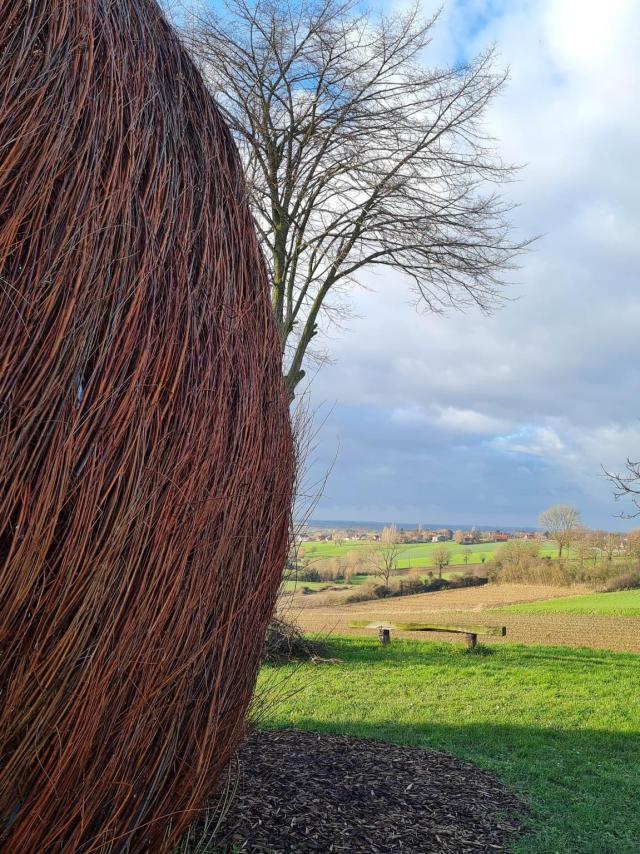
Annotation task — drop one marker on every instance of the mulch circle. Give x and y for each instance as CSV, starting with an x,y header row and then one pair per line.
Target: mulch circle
x,y
302,792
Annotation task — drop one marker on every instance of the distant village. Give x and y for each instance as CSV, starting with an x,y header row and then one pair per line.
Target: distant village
x,y
415,535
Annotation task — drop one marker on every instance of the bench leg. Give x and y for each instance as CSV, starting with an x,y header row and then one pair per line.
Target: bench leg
x,y
384,635
472,640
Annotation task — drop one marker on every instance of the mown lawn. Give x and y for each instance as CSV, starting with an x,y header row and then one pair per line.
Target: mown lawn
x,y
623,603
561,726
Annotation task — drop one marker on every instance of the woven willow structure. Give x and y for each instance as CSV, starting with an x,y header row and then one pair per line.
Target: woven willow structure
x,y
146,460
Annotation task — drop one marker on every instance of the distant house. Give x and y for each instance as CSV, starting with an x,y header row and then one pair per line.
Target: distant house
x,y
438,538
501,538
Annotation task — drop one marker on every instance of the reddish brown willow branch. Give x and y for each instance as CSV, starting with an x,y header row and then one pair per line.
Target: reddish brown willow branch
x,y
145,453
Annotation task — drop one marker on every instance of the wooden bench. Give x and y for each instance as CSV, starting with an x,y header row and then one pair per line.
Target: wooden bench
x,y
471,632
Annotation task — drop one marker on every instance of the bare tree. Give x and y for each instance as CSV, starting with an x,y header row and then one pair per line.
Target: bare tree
x,y
611,544
607,542
627,485
358,156
583,544
515,560
633,543
560,521
337,537
517,554
441,557
383,558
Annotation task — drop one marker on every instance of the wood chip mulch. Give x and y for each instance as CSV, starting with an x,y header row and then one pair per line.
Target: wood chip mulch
x,y
305,792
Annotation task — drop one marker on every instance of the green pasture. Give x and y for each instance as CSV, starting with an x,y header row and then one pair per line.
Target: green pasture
x,y
560,726
414,554
623,603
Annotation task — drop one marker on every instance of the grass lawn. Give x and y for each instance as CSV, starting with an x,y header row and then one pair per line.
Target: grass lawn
x,y
561,726
623,603
415,554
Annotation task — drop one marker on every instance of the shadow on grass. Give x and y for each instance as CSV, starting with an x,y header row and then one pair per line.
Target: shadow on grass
x,y
403,651
582,781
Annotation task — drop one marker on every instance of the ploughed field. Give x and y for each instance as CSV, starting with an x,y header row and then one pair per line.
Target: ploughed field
x,y
341,586
540,617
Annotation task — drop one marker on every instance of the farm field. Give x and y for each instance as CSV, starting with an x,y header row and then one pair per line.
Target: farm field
x,y
293,585
559,726
415,554
488,596
622,603
485,605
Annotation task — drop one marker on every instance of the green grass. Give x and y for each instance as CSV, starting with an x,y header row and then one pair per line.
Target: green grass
x,y
560,726
623,603
415,554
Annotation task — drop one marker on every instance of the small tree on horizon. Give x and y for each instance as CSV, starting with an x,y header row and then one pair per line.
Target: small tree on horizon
x,y
633,543
441,557
560,521
383,558
583,544
607,542
516,558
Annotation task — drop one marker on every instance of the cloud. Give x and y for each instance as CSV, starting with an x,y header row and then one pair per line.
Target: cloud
x,y
456,417
531,441
449,418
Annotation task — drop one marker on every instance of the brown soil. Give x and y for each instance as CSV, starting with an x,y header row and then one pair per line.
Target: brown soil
x,y
468,598
304,792
473,605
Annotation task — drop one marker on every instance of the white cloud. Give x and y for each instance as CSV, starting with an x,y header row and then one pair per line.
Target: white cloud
x,y
531,441
549,384
448,418
469,421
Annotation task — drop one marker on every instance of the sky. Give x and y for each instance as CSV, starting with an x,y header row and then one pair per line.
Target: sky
x,y
467,419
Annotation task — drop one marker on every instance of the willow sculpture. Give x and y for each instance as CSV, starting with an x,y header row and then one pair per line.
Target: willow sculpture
x,y
145,452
